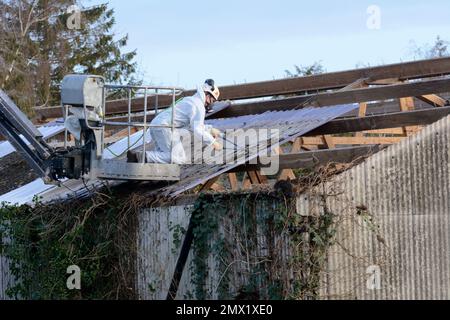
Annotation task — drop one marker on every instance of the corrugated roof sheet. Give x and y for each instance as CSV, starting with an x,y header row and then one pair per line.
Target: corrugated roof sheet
x,y
26,193
119,147
291,124
48,131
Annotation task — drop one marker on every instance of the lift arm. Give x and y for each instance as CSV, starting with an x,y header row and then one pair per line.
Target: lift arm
x,y
52,165
13,124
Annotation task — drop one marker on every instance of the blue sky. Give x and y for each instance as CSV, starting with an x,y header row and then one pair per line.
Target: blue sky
x,y
184,42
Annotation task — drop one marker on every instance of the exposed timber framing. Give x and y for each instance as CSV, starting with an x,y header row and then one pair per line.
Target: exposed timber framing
x,y
336,80
384,121
233,180
407,104
212,184
434,100
320,141
366,93
288,173
327,81
312,159
386,92
374,108
357,84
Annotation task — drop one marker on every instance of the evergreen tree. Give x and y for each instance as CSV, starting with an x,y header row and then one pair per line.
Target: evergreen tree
x,y
302,71
439,49
37,49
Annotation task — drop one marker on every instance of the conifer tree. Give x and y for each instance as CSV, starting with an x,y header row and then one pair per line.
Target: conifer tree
x,y
38,47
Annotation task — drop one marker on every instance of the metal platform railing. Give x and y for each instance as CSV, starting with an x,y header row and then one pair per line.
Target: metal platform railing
x,y
132,92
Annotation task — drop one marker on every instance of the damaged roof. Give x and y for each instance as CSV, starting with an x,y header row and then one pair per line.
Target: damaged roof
x,y
291,124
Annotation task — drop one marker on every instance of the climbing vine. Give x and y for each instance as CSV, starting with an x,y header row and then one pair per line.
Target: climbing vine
x,y
204,227
311,238
96,234
245,234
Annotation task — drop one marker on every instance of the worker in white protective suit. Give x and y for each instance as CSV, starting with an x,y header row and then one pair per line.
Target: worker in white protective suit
x,y
189,114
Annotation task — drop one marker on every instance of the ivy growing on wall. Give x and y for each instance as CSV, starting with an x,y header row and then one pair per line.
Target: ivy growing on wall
x,y
246,235
96,234
249,246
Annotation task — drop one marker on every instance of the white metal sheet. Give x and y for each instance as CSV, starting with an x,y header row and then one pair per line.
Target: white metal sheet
x,y
26,193
48,132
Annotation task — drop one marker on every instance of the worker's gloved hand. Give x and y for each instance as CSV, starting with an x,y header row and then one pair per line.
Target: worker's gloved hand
x,y
216,133
217,146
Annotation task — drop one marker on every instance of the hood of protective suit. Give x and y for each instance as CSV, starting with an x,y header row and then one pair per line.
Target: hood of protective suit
x,y
201,94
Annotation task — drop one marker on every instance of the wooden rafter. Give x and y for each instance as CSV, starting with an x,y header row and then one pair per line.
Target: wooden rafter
x,y
212,185
386,92
434,100
383,121
234,184
318,157
407,104
334,80
289,173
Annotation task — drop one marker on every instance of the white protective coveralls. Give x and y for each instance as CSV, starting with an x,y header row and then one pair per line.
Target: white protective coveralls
x,y
189,114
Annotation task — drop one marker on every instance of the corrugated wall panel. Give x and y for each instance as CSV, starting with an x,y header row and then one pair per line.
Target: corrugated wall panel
x,y
6,278
157,255
406,190
4,273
